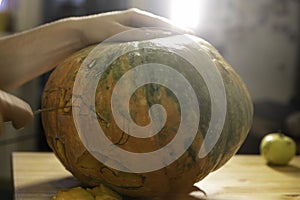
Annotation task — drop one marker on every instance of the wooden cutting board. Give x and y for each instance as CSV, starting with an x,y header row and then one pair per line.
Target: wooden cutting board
x,y
38,176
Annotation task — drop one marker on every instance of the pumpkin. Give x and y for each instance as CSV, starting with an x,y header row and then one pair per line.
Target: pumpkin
x,y
184,170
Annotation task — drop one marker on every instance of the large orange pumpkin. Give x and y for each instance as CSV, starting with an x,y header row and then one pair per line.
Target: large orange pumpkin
x,y
176,176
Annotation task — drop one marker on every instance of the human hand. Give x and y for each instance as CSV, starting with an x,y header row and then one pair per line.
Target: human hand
x,y
15,110
96,28
59,39
40,49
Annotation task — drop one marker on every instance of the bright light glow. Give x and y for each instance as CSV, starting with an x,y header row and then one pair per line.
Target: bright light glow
x,y
185,12
3,5
1,1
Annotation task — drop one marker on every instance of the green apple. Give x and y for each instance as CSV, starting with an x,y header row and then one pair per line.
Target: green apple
x,y
277,148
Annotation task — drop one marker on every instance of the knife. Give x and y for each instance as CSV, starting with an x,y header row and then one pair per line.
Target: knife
x,y
40,110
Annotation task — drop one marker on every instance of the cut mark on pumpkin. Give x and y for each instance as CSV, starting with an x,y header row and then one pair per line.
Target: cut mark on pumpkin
x,y
64,103
135,184
101,118
104,168
87,161
60,149
123,139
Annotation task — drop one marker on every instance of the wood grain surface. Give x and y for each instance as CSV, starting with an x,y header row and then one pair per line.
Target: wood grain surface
x,y
38,176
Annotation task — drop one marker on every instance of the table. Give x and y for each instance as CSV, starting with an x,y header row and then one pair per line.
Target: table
x,y
38,176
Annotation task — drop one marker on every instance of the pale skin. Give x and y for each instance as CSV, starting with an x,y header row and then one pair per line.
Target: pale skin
x,y
26,55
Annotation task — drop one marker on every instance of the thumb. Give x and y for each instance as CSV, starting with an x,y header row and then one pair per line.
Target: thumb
x,y
15,110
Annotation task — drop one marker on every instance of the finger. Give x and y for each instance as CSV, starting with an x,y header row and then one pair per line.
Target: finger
x,y
15,110
138,18
128,34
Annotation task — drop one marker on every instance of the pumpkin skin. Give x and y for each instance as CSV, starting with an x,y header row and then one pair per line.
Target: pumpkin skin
x,y
180,175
